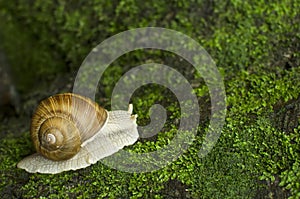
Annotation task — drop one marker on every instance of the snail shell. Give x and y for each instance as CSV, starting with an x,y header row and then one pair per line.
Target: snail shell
x,y
70,132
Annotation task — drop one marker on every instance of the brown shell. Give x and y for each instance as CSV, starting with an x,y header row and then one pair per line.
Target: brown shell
x,y
63,122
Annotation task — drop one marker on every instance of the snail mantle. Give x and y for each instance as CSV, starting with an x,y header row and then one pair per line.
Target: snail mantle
x,y
71,132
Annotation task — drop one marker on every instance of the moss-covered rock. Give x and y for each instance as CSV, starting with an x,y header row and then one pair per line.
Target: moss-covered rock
x,y
256,47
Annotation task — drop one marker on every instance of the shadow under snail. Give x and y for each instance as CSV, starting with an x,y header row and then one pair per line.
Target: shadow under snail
x,y
71,132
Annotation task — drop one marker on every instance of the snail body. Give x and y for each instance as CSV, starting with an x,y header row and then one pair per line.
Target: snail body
x,y
70,132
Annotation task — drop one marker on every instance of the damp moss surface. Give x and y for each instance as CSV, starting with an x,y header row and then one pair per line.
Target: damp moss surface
x,y
256,48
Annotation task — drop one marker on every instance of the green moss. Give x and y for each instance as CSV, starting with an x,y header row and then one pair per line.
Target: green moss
x,y
255,44
250,149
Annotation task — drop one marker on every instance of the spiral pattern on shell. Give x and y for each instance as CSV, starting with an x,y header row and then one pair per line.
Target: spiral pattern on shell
x,y
63,122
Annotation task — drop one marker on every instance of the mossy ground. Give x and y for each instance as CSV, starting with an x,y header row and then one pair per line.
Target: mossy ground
x,y
256,47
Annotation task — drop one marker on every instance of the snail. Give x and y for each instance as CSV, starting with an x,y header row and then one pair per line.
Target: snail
x,y
70,132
